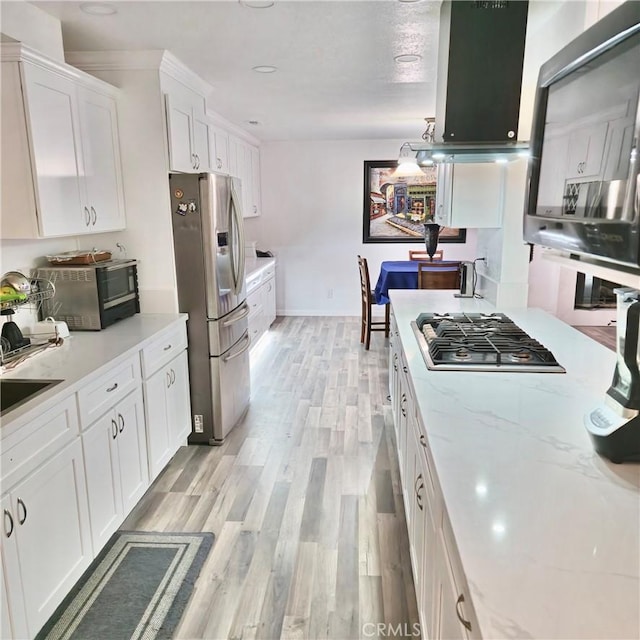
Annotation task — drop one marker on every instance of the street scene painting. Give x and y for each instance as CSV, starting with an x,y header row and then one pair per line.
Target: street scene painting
x,y
396,208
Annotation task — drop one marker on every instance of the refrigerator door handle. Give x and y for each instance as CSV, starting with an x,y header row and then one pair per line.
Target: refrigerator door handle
x,y
236,219
242,312
231,356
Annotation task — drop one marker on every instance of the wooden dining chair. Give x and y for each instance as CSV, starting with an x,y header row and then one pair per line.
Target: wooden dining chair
x,y
423,255
438,275
367,325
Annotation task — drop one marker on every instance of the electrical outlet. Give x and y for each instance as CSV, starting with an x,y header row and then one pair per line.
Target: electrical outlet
x,y
198,425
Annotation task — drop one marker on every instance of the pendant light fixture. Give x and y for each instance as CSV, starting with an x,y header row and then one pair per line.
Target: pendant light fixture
x,y
407,164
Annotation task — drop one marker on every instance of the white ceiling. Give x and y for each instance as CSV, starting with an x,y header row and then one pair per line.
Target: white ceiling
x,y
336,78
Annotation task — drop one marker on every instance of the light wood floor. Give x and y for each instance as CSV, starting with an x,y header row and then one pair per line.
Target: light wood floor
x,y
303,497
603,335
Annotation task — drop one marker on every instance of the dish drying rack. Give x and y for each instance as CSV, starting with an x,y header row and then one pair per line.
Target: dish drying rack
x,y
41,290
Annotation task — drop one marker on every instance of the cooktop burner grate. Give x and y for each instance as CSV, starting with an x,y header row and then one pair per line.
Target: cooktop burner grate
x,y
486,342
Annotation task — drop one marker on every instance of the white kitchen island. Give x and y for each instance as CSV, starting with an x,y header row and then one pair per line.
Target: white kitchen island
x,y
507,502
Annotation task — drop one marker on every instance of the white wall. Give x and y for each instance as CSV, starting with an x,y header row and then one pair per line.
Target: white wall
x,y
312,202
23,22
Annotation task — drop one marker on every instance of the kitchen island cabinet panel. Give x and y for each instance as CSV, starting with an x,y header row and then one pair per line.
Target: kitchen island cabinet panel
x,y
514,477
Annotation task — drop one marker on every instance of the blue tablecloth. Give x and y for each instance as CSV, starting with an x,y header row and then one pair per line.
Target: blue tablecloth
x,y
398,274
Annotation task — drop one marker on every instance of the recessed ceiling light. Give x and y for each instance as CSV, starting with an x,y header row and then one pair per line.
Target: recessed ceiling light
x,y
408,57
265,68
257,4
98,8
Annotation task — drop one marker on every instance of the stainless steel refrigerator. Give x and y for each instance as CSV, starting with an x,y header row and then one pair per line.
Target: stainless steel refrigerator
x,y
208,240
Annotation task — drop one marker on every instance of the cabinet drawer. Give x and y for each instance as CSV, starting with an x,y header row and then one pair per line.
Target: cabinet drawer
x,y
253,283
269,272
165,348
104,392
52,430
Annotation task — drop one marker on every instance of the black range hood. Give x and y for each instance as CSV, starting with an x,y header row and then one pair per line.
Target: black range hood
x,y
479,82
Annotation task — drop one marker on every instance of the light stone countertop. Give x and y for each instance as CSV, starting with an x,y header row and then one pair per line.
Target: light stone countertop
x,y
83,354
254,265
548,532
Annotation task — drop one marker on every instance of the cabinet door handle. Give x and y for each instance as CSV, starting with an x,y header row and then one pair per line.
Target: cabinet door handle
x,y
113,388
465,623
168,379
24,511
94,216
173,376
9,517
197,161
255,209
404,368
395,361
419,486
167,347
219,163
87,216
193,160
114,433
423,440
403,399
121,421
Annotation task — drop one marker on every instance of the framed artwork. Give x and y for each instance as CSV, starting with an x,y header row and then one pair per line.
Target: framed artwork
x,y
395,208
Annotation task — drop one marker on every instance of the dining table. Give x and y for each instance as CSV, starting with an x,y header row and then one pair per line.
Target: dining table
x,y
401,274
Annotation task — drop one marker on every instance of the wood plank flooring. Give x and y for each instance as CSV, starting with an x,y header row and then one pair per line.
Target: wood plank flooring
x,y
603,335
303,497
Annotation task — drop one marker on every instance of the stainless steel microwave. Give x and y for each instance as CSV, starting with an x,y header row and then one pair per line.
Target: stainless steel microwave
x,y
583,185
92,297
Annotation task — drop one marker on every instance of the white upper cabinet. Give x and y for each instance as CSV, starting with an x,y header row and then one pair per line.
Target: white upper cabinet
x,y
470,195
219,146
101,156
244,163
189,150
61,171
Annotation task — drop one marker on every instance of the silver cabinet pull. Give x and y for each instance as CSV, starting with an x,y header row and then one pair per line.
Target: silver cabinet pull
x,y
419,486
173,376
168,379
465,623
403,399
121,421
94,216
219,163
423,440
8,517
87,216
24,511
114,432
167,347
113,388
395,361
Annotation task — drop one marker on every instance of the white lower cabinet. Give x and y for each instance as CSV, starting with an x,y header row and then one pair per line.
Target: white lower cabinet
x,y
46,538
444,602
261,298
115,454
168,412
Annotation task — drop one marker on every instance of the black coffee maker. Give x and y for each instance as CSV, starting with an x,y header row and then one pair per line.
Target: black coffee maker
x,y
615,426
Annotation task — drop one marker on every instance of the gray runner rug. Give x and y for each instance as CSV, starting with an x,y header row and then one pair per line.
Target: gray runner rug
x,y
137,588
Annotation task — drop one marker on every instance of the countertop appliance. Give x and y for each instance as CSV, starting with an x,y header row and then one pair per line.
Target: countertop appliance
x,y
583,195
467,280
480,342
91,297
614,426
208,236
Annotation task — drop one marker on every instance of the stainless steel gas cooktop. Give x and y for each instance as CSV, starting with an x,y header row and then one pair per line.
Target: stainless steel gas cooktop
x,y
480,342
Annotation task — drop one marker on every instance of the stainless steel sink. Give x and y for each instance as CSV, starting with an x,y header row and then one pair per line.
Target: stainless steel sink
x,y
17,391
